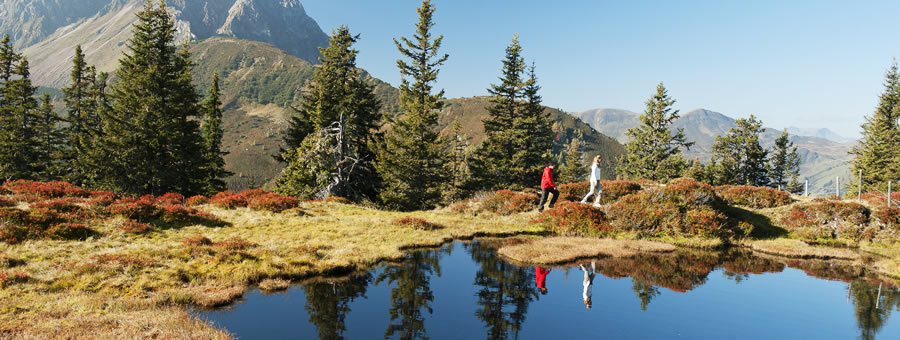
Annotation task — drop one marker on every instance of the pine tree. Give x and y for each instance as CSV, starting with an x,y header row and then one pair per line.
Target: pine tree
x,y
150,141
458,166
784,164
518,134
695,170
21,148
411,159
738,158
83,120
50,140
336,124
878,151
9,127
212,133
654,151
572,168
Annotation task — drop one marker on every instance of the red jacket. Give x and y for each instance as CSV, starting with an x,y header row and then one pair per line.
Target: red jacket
x,y
540,276
547,180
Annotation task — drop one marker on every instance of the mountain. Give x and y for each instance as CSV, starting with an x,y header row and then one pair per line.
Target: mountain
x,y
47,30
821,133
821,159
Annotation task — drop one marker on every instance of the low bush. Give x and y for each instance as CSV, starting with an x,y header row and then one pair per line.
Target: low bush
x,y
415,223
133,227
462,207
888,217
612,190
70,231
10,278
7,202
197,241
194,201
272,202
508,202
234,243
62,205
177,213
228,200
170,198
573,219
881,197
754,197
827,219
34,191
141,209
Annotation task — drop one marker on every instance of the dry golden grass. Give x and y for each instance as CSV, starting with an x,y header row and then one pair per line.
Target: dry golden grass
x,y
554,250
271,285
799,249
158,269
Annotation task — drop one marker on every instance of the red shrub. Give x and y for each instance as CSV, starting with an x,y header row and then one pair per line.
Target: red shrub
x,y
141,209
10,278
415,223
612,190
133,227
177,213
573,191
43,217
43,190
228,200
70,231
508,202
170,198
101,199
6,202
197,240
827,219
272,202
62,205
754,197
573,218
234,243
194,201
705,222
890,217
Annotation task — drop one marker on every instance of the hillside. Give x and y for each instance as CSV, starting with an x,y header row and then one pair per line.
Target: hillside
x,y
471,111
47,31
821,159
259,82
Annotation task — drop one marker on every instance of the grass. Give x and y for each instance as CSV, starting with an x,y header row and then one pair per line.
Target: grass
x,y
556,250
799,249
129,285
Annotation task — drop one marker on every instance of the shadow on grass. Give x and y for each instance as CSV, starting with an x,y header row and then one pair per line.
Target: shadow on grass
x,y
762,224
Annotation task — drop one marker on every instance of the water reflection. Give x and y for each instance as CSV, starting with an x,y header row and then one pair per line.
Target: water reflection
x,y
404,296
328,303
504,292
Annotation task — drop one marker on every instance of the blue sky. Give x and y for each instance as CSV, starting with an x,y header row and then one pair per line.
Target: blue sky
x,y
790,63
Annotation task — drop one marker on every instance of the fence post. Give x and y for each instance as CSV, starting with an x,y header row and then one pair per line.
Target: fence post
x,y
806,188
889,194
859,195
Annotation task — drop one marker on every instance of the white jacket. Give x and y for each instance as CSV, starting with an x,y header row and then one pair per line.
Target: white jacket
x,y
595,173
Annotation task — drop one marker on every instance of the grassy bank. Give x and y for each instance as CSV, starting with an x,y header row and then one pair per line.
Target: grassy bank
x,y
119,284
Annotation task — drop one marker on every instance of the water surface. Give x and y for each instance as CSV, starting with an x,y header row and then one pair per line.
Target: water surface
x,y
465,291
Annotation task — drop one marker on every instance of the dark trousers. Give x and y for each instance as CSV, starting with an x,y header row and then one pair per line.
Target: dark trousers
x,y
544,193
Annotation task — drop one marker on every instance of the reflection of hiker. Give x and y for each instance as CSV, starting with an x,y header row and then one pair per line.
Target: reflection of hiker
x,y
547,187
540,277
596,190
588,282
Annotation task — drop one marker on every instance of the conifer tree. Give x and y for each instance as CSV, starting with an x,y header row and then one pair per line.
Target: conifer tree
x,y
784,164
51,140
654,151
458,166
83,120
878,152
518,135
212,133
21,148
572,168
411,159
738,158
9,126
336,124
150,141
695,170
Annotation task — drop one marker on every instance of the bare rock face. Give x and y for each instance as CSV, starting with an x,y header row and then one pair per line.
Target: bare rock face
x,y
47,31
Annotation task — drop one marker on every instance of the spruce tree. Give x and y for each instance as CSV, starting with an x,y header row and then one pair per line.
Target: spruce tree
x,y
784,164
212,133
695,170
458,166
411,158
50,140
150,141
518,135
654,152
336,124
82,117
738,158
878,152
21,148
572,168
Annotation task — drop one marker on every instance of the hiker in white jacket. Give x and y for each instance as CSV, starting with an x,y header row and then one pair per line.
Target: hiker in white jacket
x,y
596,190
588,283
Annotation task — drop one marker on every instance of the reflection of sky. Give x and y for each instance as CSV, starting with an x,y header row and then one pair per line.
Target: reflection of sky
x,y
786,305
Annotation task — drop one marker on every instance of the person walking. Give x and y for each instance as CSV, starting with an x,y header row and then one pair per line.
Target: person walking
x,y
588,283
547,187
596,190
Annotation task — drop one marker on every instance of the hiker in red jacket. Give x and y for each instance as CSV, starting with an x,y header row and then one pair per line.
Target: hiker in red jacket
x,y
547,187
540,277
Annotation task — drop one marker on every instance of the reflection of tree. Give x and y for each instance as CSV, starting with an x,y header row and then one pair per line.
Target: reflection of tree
x,y
739,264
328,303
872,314
412,293
506,290
645,292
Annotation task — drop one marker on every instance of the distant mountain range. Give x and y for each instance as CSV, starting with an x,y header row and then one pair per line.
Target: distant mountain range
x,y
47,30
821,159
821,133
